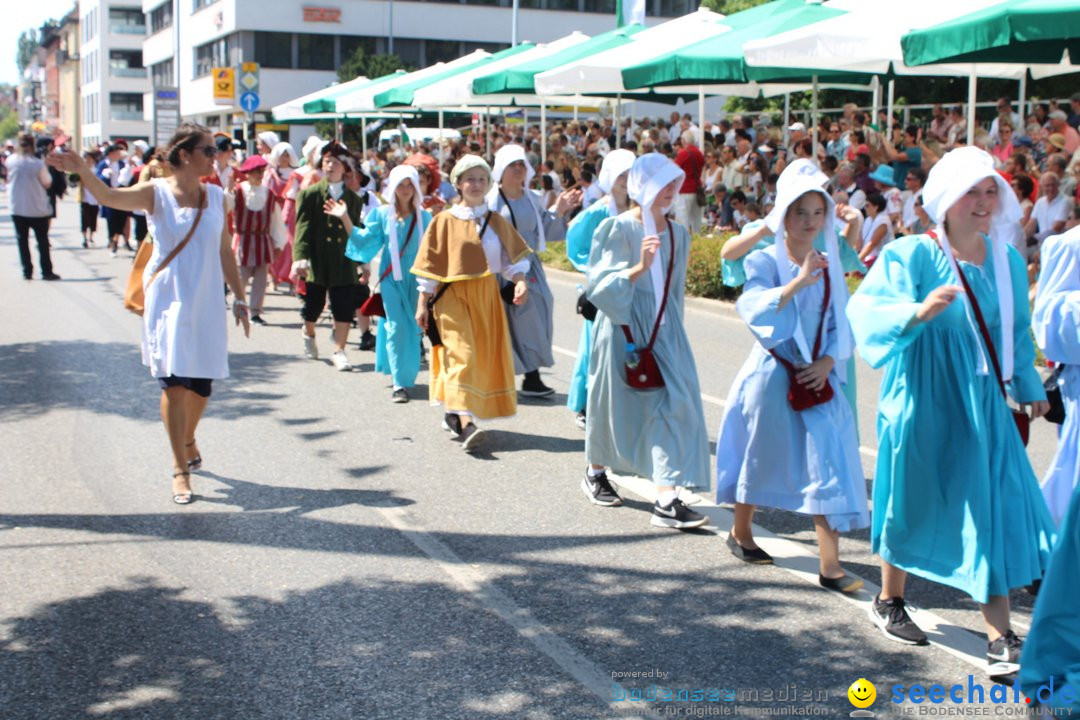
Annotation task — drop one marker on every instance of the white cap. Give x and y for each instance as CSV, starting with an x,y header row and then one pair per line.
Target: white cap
x,y
797,126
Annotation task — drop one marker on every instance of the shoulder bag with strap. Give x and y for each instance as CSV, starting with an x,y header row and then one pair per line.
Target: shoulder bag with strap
x,y
135,293
374,304
642,370
1023,422
801,396
506,289
432,330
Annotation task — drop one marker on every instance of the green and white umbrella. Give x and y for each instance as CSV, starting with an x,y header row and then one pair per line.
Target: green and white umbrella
x,y
362,100
325,101
1014,31
293,110
402,95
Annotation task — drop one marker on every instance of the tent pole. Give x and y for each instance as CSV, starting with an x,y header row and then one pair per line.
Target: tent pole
x,y
543,133
701,117
576,99
876,99
889,112
787,119
814,119
363,136
1023,97
490,137
972,87
618,107
442,142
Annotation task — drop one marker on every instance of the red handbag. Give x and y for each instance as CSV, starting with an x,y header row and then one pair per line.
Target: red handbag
x,y
800,396
642,370
373,306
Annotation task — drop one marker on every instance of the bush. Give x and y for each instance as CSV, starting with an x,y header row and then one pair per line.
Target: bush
x,y
555,256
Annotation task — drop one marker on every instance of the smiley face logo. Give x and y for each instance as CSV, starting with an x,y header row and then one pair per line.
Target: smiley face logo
x,y
862,693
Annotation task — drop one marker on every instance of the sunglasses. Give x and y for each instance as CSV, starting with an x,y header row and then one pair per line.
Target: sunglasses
x,y
207,150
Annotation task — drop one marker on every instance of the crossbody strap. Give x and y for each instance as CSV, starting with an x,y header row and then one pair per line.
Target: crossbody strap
x,y
506,201
820,328
443,288
408,237
663,302
191,231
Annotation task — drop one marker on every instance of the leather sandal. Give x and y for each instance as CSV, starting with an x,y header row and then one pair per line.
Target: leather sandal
x,y
195,463
183,498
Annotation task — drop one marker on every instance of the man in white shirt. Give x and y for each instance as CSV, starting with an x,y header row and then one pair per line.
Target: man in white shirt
x,y
847,191
1050,212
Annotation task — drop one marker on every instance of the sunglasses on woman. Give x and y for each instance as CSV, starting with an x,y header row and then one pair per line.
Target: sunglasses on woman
x,y
207,150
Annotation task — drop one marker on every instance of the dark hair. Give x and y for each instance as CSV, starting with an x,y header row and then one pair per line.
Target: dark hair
x,y
630,145
912,130
773,178
546,182
831,163
919,173
753,207
806,145
739,196
877,200
741,134
185,138
1024,184
860,137
864,158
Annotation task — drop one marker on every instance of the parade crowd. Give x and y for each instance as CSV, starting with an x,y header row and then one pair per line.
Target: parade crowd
x,y
969,259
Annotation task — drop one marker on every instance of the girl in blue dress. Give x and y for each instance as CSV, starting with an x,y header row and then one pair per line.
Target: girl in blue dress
x,y
1052,649
394,230
955,498
579,237
768,452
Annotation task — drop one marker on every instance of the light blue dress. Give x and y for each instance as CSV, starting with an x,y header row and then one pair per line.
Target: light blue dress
x,y
532,328
579,237
733,274
955,498
397,339
767,453
1056,322
660,433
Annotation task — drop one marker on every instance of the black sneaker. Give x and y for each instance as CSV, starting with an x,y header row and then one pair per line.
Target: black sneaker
x,y
401,396
367,341
599,491
533,386
472,438
50,276
451,423
1003,655
676,515
257,320
893,620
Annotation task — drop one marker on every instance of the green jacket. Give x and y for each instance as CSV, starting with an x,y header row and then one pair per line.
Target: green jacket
x,y
321,239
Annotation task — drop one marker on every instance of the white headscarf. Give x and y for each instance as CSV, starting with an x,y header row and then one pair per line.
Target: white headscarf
x,y
400,174
283,148
615,164
949,180
269,137
799,178
650,174
509,154
312,148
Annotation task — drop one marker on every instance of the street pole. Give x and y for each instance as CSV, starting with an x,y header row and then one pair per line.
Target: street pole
x,y
176,52
514,25
390,44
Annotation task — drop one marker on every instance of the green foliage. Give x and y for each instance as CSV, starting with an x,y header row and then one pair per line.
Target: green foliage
x,y
555,256
28,42
729,7
361,63
9,124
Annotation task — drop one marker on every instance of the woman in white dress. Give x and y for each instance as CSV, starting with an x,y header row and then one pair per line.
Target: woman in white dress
x,y
184,328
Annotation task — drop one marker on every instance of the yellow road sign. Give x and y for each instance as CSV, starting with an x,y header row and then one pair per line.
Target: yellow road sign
x,y
224,85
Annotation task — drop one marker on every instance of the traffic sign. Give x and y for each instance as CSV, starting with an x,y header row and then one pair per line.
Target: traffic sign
x,y
224,85
249,76
249,101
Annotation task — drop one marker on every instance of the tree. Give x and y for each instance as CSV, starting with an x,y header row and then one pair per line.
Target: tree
x,y
9,124
729,7
28,43
369,65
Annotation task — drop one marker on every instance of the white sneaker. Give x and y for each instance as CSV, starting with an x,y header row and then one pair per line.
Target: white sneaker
x,y
341,362
311,350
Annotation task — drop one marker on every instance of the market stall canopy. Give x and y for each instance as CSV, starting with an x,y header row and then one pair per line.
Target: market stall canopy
x,y
326,100
402,95
362,100
1015,31
293,110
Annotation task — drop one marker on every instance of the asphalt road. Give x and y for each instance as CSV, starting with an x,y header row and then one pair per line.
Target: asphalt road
x,y
345,559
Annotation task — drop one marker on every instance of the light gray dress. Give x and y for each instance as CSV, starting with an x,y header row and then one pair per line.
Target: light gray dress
x,y
531,324
658,434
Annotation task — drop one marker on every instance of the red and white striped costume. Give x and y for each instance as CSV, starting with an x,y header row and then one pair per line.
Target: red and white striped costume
x,y
252,240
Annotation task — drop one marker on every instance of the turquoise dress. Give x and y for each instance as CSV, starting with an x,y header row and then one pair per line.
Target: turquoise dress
x,y
955,498
579,238
659,433
733,274
397,339
767,453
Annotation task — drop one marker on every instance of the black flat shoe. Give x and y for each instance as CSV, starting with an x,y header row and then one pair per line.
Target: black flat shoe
x,y
844,583
257,319
756,556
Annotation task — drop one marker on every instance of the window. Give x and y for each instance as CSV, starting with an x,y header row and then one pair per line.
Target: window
x,y
349,43
408,51
489,47
211,55
600,6
197,5
442,51
161,17
672,8
126,63
125,106
315,52
273,49
127,21
163,74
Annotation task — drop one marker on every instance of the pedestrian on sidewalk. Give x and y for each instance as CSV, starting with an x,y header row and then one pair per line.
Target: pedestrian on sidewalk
x,y
260,233
614,174
88,204
463,252
955,498
637,280
774,449
184,341
393,233
319,255
113,172
531,323
28,184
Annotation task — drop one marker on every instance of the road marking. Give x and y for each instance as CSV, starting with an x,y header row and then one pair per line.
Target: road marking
x,y
472,581
869,452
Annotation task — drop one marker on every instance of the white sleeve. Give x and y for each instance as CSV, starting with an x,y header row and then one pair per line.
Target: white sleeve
x,y
278,232
510,270
426,285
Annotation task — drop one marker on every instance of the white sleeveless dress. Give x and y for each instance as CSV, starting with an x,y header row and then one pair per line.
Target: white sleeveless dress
x,y
185,323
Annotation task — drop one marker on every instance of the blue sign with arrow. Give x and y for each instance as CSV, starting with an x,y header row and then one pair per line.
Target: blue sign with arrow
x,y
249,101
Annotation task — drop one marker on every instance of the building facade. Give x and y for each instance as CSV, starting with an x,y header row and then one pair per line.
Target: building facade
x,y
299,45
113,80
68,62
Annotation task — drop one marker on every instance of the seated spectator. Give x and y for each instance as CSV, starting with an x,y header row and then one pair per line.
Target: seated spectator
x,y
847,191
738,209
1050,212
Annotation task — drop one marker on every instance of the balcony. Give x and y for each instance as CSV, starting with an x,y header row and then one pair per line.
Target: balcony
x,y
127,72
125,29
118,115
